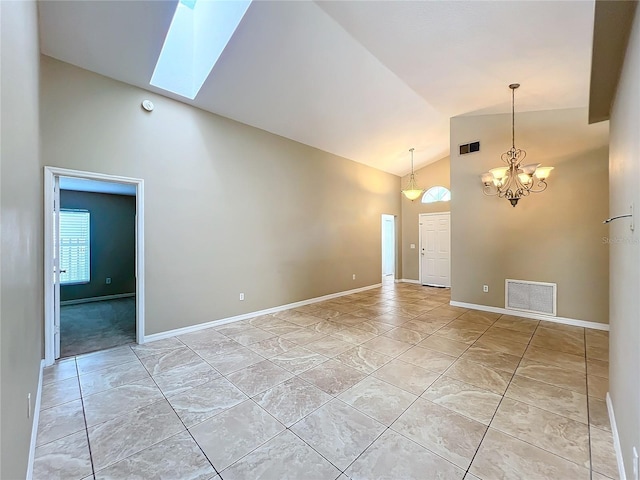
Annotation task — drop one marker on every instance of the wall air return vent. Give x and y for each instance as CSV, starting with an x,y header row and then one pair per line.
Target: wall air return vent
x,y
533,297
469,148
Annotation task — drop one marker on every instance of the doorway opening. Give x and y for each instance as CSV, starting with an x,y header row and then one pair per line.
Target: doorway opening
x,y
435,249
94,285
388,249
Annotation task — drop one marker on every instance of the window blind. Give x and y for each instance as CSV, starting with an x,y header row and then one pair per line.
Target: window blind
x,y
74,246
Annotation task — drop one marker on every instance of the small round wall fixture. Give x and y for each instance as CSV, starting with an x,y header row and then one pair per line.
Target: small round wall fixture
x,y
147,105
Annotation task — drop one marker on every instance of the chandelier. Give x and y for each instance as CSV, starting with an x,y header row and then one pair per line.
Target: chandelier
x,y
412,191
515,180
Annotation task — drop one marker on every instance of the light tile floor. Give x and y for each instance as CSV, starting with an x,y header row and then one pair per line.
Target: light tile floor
x,y
391,383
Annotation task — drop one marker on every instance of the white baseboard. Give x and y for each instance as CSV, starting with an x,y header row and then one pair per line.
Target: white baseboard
x,y
244,316
34,425
563,320
97,299
409,280
616,439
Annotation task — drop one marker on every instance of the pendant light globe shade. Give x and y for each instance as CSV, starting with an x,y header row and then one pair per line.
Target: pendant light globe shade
x,y
412,191
543,172
412,194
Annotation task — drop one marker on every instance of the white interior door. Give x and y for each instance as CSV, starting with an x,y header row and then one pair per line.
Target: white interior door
x,y
56,266
388,245
435,249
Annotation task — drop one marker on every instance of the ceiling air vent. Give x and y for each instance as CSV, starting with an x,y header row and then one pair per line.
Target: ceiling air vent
x,y
469,148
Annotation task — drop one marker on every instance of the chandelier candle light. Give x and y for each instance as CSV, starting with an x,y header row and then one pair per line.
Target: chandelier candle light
x,y
412,191
515,180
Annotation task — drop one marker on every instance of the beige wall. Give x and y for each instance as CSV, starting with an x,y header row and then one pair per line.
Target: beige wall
x,y
624,175
21,225
555,236
434,174
228,208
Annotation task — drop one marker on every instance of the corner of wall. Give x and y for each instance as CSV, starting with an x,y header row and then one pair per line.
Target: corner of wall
x,y
21,219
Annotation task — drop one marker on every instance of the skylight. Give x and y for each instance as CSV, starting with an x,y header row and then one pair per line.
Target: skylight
x,y
197,36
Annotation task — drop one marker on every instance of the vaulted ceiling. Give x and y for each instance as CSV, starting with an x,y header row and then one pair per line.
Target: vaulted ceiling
x,y
366,80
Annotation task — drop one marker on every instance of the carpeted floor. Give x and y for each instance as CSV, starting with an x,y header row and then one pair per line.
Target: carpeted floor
x,y
88,327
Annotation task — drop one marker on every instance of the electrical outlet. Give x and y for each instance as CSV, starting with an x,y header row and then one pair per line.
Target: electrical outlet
x,y
242,296
485,288
28,405
354,276
635,463
108,281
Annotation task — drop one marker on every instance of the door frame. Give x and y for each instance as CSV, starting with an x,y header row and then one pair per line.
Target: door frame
x,y
395,245
420,215
50,175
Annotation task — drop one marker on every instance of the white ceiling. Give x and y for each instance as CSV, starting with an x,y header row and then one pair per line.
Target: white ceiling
x,y
366,80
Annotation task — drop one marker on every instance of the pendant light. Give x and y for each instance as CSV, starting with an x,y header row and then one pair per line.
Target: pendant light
x,y
412,191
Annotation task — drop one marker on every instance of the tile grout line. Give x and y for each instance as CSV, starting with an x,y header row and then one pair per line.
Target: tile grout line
x,y
221,376
176,413
587,425
249,398
219,473
586,378
502,397
84,417
387,428
125,413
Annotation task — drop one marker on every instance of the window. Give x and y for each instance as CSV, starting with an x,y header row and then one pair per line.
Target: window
x,y
436,194
74,246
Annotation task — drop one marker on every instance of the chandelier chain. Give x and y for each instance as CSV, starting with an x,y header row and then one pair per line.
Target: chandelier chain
x,y
513,118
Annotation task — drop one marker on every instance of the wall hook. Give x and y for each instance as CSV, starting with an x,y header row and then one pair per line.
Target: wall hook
x,y
632,227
